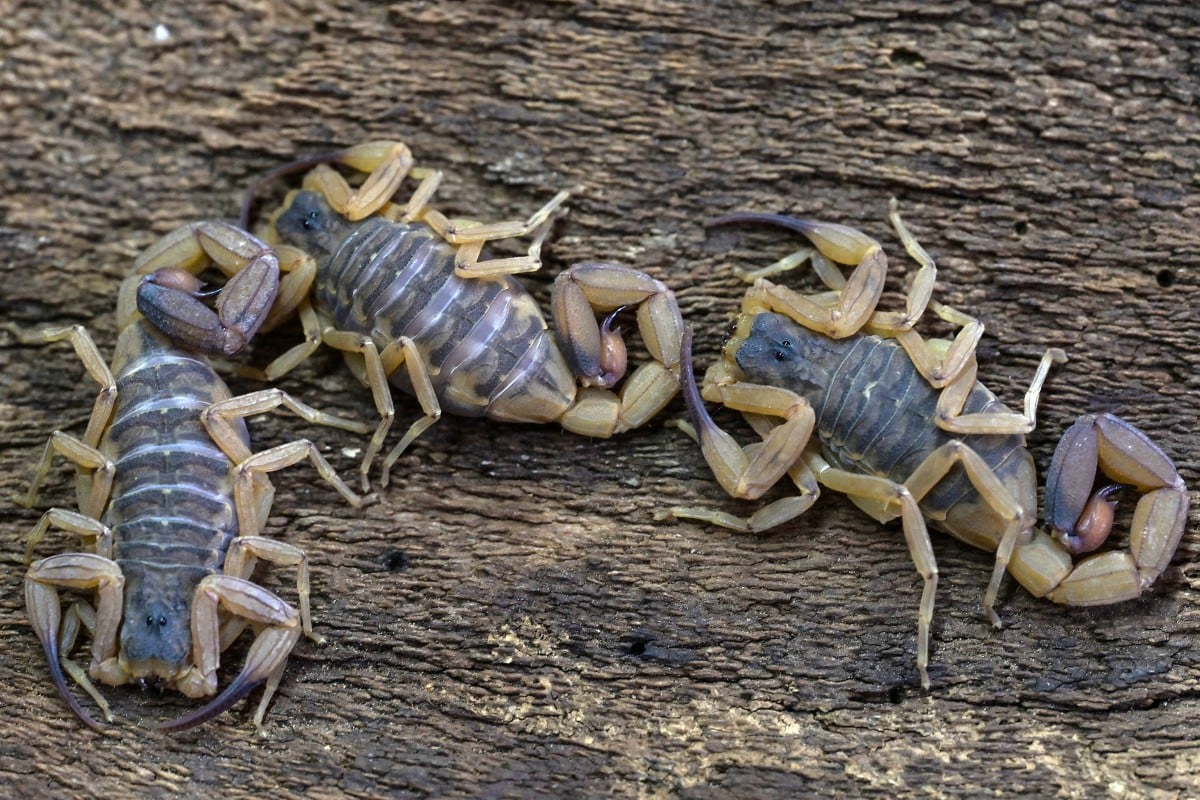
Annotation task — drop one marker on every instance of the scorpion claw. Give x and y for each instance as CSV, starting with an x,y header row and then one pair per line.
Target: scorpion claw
x,y
169,296
1081,521
169,299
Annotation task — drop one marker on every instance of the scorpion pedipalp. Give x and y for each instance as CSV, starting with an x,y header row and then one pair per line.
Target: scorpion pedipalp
x,y
171,302
1108,445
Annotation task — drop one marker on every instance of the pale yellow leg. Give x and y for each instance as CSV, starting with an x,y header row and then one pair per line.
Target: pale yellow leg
x,y
84,457
954,397
90,530
404,352
218,419
935,467
96,367
916,534
246,550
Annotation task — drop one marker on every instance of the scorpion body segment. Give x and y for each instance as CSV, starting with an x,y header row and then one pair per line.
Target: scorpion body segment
x,y
484,342
172,501
876,415
853,399
169,476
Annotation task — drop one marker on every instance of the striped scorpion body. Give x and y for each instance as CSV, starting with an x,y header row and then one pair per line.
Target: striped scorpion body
x,y
410,297
172,500
855,400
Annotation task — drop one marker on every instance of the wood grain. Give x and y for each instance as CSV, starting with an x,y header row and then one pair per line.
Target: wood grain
x,y
509,619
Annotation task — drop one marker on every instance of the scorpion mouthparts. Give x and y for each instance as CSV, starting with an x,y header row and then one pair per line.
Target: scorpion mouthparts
x,y
235,692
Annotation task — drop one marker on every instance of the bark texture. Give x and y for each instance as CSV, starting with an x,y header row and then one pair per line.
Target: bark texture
x,y
510,618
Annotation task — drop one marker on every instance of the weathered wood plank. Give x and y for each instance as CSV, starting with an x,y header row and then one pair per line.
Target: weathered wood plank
x,y
510,618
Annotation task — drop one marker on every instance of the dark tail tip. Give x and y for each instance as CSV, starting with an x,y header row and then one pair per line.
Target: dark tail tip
x,y
757,218
60,681
234,693
275,174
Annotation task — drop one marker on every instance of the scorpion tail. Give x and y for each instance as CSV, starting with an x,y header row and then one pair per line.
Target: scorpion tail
x,y
843,244
761,218
281,171
60,680
241,688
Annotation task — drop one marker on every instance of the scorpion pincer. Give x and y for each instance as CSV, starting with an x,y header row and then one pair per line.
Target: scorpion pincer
x,y
172,500
855,400
410,296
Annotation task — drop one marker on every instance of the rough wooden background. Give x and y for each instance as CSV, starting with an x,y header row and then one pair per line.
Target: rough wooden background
x,y
510,619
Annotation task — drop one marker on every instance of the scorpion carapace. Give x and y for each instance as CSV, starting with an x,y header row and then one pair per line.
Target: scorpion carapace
x,y
172,500
853,399
411,297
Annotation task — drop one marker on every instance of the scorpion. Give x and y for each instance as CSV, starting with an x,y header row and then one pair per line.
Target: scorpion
x,y
855,400
410,296
172,501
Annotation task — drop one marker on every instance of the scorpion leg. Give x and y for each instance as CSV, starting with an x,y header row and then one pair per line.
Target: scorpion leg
x,y
470,236
1123,453
84,572
278,627
596,354
953,398
96,366
387,164
94,490
169,294
938,365
885,492
880,496
850,306
373,368
83,526
246,550
218,420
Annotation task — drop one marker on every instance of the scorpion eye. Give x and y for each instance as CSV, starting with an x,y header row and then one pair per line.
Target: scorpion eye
x,y
782,354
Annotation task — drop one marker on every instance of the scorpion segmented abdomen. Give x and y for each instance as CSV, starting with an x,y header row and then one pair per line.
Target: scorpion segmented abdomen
x,y
484,340
171,510
879,416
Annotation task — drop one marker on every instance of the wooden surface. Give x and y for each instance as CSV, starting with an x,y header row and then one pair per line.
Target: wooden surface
x,y
510,619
